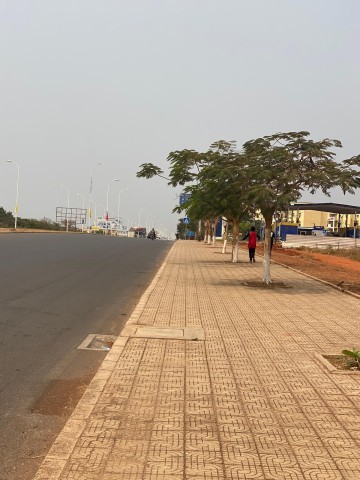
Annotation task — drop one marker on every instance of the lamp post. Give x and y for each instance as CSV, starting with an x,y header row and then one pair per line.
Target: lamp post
x,y
17,190
90,195
107,200
107,194
68,206
118,213
83,206
95,220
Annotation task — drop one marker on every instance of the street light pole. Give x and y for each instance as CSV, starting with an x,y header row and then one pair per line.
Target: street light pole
x,y
68,206
95,221
107,195
90,195
83,206
107,201
118,213
17,190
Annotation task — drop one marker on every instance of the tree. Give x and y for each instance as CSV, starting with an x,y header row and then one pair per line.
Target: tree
x,y
6,219
230,183
149,170
268,174
183,228
185,166
281,166
201,207
43,224
214,181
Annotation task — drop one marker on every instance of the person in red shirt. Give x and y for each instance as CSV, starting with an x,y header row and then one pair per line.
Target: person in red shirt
x,y
252,236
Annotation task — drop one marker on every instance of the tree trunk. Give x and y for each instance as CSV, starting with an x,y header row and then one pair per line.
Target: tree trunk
x,y
206,231
235,241
226,234
267,250
216,221
209,233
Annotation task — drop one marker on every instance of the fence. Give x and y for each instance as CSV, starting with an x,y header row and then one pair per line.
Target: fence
x,y
313,241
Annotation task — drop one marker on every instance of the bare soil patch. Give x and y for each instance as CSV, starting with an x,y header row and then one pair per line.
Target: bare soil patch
x,y
336,270
342,362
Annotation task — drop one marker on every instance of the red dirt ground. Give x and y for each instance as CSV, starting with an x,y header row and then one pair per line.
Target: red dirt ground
x,y
327,267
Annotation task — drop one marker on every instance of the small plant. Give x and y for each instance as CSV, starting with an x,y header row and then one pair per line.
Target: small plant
x,y
354,356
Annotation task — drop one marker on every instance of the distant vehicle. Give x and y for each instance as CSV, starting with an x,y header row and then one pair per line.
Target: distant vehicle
x,y
152,234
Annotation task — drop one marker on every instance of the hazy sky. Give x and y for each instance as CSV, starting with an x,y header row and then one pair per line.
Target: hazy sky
x,y
125,82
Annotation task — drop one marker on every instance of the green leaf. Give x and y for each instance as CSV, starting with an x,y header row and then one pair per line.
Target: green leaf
x,y
352,353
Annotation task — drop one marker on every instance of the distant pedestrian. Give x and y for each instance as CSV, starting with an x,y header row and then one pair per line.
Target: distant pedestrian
x,y
252,236
272,239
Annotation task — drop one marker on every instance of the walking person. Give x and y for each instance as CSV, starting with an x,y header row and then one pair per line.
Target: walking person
x,y
252,236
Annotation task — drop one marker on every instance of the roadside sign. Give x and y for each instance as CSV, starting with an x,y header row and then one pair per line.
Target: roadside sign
x,y
184,197
186,220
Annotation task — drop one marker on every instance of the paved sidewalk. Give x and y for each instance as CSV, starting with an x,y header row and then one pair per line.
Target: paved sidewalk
x,y
251,401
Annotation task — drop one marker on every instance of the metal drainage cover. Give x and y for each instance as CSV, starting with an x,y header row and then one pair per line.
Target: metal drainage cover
x,y
259,284
95,341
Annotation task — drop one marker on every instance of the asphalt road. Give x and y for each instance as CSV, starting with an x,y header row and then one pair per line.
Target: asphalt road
x,y
55,289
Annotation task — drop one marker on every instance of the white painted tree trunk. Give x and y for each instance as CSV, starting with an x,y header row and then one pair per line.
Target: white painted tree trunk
x,y
235,252
267,245
226,234
216,221
206,233
235,242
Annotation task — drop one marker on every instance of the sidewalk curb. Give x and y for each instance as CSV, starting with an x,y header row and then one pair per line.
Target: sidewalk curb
x,y
56,458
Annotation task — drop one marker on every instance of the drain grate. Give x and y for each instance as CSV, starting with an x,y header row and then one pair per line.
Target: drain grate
x,y
98,342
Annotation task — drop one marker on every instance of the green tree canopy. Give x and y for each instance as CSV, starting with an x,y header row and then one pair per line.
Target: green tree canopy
x,y
282,166
267,174
6,219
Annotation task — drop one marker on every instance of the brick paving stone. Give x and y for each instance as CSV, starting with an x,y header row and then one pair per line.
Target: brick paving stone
x,y
250,402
